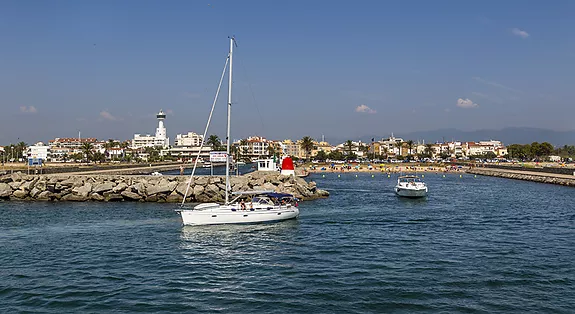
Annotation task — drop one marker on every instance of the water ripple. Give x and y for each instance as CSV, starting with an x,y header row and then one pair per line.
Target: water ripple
x,y
474,245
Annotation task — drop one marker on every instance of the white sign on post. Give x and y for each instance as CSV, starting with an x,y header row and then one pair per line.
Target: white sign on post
x,y
218,156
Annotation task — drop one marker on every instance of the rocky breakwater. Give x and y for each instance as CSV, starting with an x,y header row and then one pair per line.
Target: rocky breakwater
x,y
526,175
18,186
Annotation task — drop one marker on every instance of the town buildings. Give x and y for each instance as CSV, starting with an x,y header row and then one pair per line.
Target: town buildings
x,y
160,139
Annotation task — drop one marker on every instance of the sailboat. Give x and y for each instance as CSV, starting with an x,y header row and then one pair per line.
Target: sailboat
x,y
246,206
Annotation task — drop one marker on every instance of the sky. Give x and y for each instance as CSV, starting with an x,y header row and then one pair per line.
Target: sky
x,y
341,69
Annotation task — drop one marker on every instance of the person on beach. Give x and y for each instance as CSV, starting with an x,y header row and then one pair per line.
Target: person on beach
x,y
182,170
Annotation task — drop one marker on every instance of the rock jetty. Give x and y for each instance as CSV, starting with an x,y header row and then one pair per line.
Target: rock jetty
x,y
526,175
108,188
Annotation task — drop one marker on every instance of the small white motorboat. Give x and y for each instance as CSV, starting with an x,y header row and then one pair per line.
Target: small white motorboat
x,y
410,186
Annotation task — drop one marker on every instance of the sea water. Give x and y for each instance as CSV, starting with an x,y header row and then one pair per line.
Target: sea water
x,y
475,244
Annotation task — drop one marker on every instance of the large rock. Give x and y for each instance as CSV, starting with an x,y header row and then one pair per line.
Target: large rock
x,y
174,198
113,197
20,194
198,189
34,192
139,187
45,196
155,189
182,187
131,195
83,190
212,189
74,197
27,185
104,187
5,178
120,187
96,197
15,184
5,190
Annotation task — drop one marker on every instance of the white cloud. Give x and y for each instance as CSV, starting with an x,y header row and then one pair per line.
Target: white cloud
x,y
29,109
490,98
520,33
364,109
478,79
108,116
466,103
192,95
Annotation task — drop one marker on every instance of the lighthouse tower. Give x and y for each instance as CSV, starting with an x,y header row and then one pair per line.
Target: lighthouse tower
x,y
161,137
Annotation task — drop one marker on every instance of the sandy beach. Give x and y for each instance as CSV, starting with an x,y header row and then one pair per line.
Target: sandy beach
x,y
385,168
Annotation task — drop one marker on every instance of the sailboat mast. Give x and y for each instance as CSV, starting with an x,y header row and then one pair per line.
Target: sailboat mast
x,y
229,119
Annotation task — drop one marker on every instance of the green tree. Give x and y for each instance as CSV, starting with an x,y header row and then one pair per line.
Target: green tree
x,y
399,146
307,145
98,157
21,149
87,150
336,155
348,146
215,142
321,156
428,152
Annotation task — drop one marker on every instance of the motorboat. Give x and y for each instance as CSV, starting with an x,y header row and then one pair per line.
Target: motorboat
x,y
410,186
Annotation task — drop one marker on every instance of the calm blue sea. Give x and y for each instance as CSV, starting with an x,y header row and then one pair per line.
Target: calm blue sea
x,y
481,245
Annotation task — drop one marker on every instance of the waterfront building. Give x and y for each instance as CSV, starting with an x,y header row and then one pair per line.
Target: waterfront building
x,y
39,150
71,142
291,148
255,147
160,139
356,148
322,146
190,139
185,153
389,146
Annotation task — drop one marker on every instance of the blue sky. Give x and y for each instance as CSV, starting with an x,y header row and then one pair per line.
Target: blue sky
x,y
339,68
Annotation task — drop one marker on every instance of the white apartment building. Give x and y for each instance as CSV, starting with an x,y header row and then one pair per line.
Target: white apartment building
x,y
389,146
39,150
255,146
190,139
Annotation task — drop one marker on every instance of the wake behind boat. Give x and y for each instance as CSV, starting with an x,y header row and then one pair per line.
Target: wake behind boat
x,y
410,186
248,206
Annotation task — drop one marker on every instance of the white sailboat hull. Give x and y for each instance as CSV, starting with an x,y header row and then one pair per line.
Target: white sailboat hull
x,y
224,215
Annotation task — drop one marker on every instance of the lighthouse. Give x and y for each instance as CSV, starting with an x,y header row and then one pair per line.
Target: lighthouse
x,y
161,137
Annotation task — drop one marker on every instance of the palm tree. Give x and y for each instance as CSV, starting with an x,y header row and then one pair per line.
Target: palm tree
x,y
87,149
307,145
384,150
21,148
98,157
429,150
271,150
399,145
214,141
348,147
410,146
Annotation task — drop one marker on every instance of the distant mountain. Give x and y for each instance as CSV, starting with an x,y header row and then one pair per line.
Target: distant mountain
x,y
511,135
